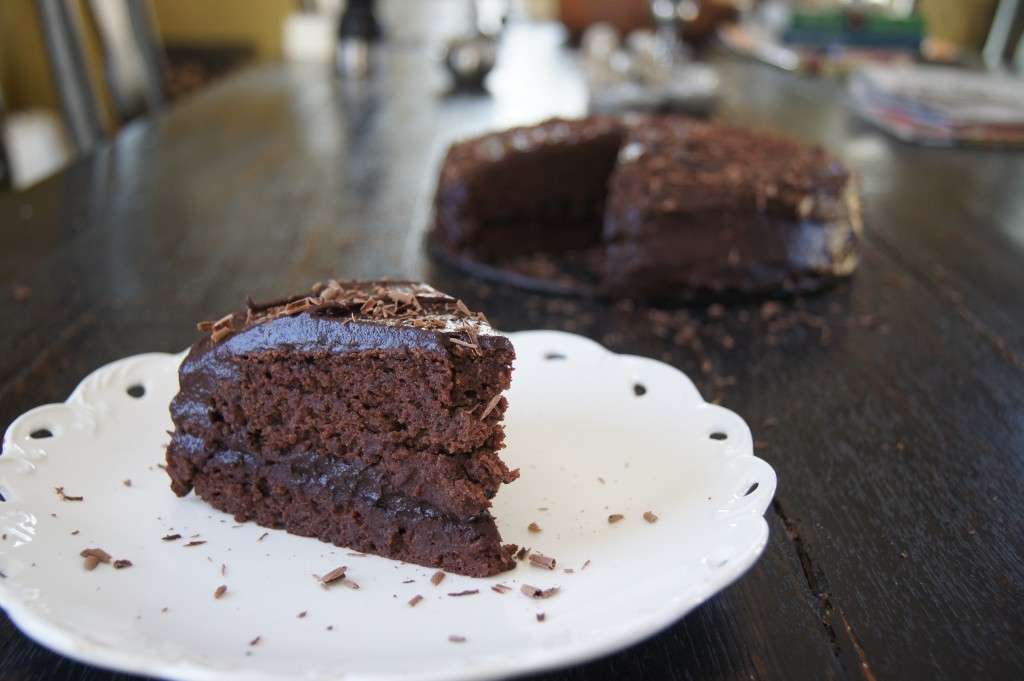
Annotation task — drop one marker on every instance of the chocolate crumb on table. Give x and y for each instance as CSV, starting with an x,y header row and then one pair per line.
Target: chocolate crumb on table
x,y
614,518
127,482
650,517
220,591
437,577
414,600
263,536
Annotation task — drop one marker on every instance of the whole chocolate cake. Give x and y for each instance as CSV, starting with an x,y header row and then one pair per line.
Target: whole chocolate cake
x,y
367,414
662,207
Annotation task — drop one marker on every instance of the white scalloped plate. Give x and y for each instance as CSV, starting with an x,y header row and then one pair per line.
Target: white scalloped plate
x,y
587,444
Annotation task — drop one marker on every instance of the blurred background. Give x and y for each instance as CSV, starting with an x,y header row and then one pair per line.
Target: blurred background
x,y
74,72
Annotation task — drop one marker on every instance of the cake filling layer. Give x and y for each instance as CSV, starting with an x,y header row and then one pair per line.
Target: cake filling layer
x,y
285,496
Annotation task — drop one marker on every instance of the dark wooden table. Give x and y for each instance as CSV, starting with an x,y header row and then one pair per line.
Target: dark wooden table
x,y
892,407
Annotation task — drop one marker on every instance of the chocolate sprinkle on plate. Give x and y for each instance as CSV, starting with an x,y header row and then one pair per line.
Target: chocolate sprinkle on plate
x,y
302,614
437,578
467,592
171,537
100,555
221,590
196,542
66,497
334,575
263,536
500,588
122,563
457,639
614,518
541,617
542,561
408,581
536,592
650,517
255,641
414,600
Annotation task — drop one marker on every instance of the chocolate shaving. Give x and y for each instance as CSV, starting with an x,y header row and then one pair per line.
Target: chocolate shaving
x,y
541,617
586,564
414,600
500,588
437,577
195,543
263,536
170,537
73,532
66,497
302,614
122,563
535,592
221,590
223,569
90,562
460,307
334,575
100,555
457,639
533,527
614,518
490,406
220,334
467,592
650,517
255,641
542,561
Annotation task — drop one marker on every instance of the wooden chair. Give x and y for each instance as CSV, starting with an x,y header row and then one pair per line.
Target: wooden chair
x,y
133,63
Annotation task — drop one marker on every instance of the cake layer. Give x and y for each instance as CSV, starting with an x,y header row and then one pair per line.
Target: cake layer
x,y
308,499
341,401
460,485
527,189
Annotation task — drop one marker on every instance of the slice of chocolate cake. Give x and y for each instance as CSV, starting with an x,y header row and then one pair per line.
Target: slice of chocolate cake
x,y
366,414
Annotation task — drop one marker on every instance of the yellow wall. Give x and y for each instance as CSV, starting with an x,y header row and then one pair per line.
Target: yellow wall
x,y
256,22
25,72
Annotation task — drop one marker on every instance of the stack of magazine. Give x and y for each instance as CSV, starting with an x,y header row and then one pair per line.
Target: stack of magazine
x,y
942,106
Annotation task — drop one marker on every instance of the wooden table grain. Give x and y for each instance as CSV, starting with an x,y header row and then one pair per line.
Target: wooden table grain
x,y
892,407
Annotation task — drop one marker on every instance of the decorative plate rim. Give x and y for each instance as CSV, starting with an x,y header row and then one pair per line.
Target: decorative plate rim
x,y
59,638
